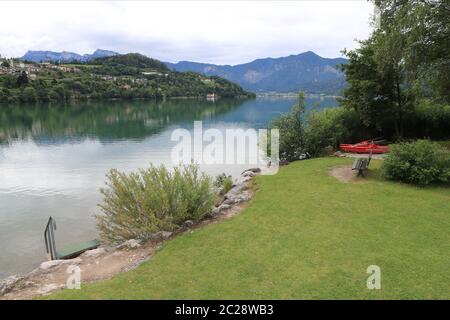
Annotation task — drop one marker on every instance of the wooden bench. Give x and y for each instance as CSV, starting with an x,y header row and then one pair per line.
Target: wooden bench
x,y
361,164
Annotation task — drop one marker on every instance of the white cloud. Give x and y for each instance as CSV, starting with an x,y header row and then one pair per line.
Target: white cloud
x,y
215,31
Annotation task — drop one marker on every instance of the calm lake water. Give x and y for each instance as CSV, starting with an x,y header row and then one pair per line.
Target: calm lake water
x,y
53,160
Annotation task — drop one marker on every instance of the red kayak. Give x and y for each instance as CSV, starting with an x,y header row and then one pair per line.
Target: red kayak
x,y
364,147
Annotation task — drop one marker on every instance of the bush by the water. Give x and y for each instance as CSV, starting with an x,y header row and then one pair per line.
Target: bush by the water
x,y
140,203
422,162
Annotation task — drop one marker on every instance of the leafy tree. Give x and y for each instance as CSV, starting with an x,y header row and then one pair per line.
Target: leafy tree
x,y
5,64
421,30
376,85
292,133
405,59
22,79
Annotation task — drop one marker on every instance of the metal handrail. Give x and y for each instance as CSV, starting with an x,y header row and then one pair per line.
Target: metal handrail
x,y
49,237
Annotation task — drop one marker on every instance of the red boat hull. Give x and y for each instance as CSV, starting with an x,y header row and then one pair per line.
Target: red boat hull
x,y
364,147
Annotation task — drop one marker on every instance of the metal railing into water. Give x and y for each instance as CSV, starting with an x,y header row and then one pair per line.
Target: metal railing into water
x,y
50,238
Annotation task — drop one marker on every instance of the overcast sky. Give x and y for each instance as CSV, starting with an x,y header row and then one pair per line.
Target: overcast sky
x,y
214,31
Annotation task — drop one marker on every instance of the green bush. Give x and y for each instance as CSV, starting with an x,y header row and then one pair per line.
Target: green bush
x,y
330,127
421,162
325,129
223,182
140,203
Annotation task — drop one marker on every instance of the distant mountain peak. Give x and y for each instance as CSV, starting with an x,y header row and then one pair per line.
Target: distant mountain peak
x,y
309,53
104,51
66,56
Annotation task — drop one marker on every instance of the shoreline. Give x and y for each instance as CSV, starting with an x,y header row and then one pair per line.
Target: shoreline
x,y
294,95
107,261
88,99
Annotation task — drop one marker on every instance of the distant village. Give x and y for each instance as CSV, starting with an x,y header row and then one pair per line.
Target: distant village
x,y
27,81
16,67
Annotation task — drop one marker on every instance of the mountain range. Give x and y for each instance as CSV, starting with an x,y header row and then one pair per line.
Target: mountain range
x,y
306,71
65,56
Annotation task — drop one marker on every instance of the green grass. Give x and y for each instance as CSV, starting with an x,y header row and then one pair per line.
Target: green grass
x,y
304,236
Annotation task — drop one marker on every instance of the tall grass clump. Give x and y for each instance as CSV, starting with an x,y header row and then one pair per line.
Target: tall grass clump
x,y
223,183
140,203
422,162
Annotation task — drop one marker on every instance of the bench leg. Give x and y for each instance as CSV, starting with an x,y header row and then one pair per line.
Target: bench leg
x,y
360,173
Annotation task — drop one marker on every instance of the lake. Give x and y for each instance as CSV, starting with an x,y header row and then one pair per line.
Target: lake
x,y
53,160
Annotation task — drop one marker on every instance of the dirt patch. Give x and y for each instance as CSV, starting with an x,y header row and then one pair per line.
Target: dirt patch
x,y
105,262
358,155
343,173
103,266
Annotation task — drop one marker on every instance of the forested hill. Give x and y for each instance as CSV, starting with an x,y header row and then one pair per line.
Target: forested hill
x,y
127,64
129,76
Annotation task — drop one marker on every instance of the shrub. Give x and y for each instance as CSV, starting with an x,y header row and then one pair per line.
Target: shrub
x,y
140,203
330,127
223,182
421,162
325,129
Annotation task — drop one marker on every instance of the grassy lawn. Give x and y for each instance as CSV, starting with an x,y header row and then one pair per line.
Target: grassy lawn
x,y
305,236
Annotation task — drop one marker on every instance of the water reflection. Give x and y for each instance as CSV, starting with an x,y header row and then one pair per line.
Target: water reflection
x,y
102,120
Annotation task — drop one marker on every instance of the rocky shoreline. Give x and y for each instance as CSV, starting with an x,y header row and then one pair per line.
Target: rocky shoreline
x,y
108,260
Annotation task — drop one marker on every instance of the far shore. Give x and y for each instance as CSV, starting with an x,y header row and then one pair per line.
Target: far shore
x,y
293,95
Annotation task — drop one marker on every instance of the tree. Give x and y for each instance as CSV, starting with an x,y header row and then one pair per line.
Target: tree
x,y
405,60
22,79
292,132
375,85
420,29
6,64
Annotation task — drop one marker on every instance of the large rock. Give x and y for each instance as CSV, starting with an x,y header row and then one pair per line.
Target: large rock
x,y
47,288
242,180
161,235
241,197
248,174
130,244
235,192
7,284
254,170
94,252
220,209
54,263
187,224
